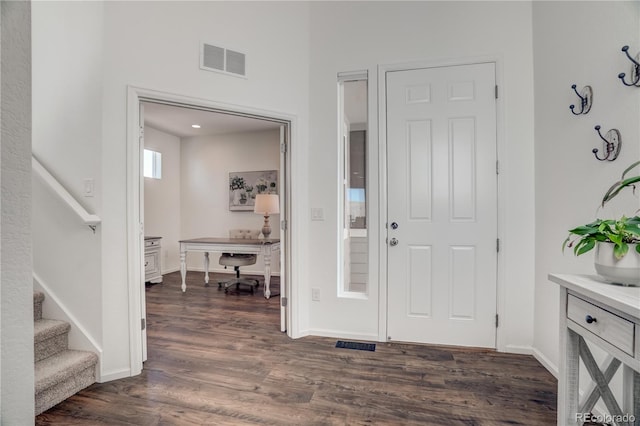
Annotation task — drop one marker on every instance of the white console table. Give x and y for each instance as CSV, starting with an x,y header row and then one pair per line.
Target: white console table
x,y
607,315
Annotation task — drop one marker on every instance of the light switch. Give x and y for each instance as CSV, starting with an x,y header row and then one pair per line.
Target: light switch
x,y
317,213
88,187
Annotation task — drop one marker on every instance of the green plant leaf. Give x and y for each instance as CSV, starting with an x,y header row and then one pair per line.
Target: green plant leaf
x,y
638,248
615,238
635,230
619,250
606,226
620,232
624,182
633,220
628,169
584,246
617,187
583,230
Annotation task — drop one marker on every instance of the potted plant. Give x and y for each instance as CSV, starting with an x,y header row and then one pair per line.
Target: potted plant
x,y
617,241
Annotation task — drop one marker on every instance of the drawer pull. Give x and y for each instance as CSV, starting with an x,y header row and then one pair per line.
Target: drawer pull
x,y
147,264
589,319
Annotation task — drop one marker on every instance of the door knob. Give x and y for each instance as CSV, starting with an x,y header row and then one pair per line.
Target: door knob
x,y
393,242
394,225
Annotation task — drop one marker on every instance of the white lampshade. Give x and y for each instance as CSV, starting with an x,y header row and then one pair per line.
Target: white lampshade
x,y
267,204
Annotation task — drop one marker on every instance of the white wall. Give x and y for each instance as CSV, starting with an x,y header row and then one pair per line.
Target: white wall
x,y
349,36
155,45
570,182
102,48
162,204
206,164
67,93
86,54
16,293
67,127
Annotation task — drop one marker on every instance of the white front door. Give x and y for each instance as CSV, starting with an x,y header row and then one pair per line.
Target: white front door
x,y
442,195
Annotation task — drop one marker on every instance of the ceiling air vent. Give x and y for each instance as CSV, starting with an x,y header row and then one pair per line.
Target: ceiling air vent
x,y
219,59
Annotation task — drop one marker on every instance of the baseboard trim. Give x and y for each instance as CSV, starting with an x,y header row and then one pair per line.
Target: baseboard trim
x,y
342,335
517,349
170,270
546,363
120,374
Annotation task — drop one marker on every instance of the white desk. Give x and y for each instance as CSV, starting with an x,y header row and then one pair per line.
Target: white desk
x,y
609,316
229,245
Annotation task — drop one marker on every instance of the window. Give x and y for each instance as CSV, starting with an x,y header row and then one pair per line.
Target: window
x,y
353,239
152,164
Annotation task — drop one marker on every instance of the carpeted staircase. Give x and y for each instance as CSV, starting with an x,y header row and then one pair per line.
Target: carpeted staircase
x,y
59,371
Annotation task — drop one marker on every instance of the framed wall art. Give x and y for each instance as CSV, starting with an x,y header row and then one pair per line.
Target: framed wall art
x,y
244,186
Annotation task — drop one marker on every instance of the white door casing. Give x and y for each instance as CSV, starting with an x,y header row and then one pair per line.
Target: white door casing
x,y
143,300
135,210
442,193
284,142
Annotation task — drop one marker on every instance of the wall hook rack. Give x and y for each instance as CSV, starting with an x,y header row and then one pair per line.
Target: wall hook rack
x,y
586,100
612,142
635,69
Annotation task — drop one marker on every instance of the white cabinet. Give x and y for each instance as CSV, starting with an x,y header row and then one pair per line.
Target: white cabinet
x,y
152,260
608,316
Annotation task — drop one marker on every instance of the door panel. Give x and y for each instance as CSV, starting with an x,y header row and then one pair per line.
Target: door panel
x,y
419,295
462,146
442,192
419,153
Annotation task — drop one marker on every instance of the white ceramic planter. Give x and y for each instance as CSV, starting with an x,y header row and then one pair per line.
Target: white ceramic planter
x,y
624,271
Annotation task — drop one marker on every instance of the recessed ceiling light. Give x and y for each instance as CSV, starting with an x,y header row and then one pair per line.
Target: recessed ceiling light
x,y
195,126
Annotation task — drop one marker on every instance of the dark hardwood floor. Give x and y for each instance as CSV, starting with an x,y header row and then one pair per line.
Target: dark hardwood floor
x,y
218,359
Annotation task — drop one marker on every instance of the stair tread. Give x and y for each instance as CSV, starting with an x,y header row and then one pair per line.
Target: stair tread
x,y
61,366
44,329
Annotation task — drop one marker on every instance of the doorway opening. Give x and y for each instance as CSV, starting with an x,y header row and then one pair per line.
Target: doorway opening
x,y
229,121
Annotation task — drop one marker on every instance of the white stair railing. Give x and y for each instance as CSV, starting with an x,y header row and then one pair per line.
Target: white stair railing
x,y
89,219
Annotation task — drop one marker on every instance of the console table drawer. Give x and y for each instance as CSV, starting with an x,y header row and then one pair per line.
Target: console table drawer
x,y
608,326
155,242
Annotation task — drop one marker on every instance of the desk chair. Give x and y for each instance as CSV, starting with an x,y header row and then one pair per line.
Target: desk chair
x,y
239,259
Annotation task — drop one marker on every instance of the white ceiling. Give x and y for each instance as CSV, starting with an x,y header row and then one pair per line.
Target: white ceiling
x,y
177,121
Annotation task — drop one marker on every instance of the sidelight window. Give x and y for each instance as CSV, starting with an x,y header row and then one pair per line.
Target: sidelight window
x,y
353,201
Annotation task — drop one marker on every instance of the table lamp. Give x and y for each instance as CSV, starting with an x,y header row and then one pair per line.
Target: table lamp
x,y
266,204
